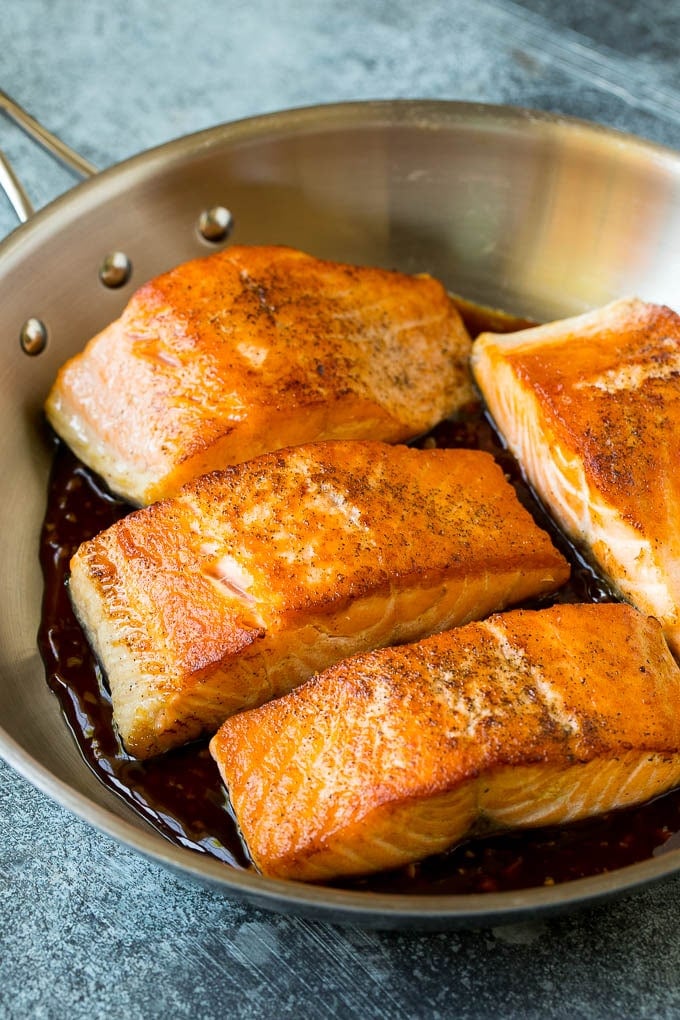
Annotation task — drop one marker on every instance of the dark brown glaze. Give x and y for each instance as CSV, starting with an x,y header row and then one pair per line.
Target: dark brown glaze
x,y
181,794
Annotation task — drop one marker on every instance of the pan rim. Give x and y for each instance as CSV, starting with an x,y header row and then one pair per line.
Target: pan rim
x,y
340,906
368,909
428,114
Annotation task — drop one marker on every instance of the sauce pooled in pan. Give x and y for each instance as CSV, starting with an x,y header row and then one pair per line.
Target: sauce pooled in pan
x,y
181,794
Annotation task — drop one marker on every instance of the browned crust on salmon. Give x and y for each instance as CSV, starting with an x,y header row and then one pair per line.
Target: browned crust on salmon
x,y
252,349
254,578
525,719
590,407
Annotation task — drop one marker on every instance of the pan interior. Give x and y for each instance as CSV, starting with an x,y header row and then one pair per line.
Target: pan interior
x,y
537,215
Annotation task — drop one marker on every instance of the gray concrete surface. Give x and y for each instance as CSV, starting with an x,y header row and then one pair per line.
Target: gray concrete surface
x,y
87,927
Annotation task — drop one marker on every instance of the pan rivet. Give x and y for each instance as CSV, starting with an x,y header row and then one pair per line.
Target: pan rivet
x,y
215,224
33,337
115,269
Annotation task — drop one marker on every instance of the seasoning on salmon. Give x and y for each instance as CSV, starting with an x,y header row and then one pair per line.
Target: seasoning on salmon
x,y
525,719
590,407
253,349
256,577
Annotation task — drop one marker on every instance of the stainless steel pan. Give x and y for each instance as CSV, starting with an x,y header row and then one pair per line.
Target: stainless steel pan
x,y
533,213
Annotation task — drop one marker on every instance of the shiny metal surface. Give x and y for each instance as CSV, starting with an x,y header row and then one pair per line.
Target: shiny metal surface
x,y
536,214
15,191
115,269
33,337
215,224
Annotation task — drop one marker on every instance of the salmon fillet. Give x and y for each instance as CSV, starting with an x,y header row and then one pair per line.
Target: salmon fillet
x,y
256,577
590,407
526,719
252,349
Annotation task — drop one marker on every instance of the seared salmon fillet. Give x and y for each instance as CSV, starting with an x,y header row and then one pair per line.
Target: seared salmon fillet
x,y
253,578
525,719
253,349
590,407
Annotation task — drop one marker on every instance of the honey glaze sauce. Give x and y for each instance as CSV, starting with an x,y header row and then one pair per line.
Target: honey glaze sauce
x,y
181,794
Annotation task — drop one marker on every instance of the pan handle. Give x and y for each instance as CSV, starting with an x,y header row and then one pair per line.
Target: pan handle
x,y
9,182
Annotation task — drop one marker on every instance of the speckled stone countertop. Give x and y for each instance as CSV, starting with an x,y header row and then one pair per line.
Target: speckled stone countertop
x,y
87,927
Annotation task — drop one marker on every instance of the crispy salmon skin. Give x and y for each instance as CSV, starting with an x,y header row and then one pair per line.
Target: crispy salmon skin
x,y
525,719
252,349
255,577
590,407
